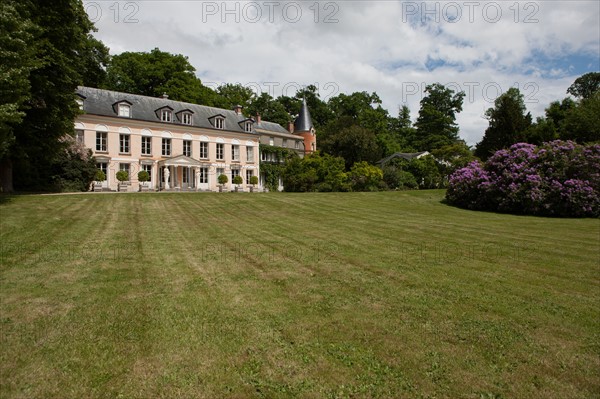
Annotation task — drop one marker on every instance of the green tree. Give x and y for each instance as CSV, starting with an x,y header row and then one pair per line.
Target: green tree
x,y
452,157
353,143
436,125
315,172
269,109
157,72
57,48
585,86
582,123
508,124
230,95
365,177
16,63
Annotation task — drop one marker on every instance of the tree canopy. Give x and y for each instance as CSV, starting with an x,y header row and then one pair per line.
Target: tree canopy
x,y
508,123
56,53
436,124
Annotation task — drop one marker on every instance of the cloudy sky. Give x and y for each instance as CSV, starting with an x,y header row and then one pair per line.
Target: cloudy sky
x,y
393,48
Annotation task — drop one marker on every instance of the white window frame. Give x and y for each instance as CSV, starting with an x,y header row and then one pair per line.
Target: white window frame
x,y
234,172
166,115
219,123
235,152
271,141
249,174
203,150
102,141
248,126
146,145
203,175
186,118
249,154
187,151
124,143
124,110
166,147
220,151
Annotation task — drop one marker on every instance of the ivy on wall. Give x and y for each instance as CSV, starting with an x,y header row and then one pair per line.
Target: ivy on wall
x,y
272,170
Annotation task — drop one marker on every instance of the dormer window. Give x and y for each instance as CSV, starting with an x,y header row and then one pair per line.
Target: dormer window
x,y
185,116
248,126
218,121
125,110
166,115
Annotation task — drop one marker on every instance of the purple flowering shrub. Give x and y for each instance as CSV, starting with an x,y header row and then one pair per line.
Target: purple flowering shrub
x,y
558,178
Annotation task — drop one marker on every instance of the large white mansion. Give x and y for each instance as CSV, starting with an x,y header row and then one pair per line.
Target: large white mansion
x,y
182,146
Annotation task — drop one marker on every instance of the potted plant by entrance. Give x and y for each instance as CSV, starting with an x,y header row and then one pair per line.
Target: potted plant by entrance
x,y
98,179
222,179
254,182
237,180
143,177
122,177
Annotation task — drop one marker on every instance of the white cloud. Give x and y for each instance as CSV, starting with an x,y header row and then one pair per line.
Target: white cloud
x,y
380,46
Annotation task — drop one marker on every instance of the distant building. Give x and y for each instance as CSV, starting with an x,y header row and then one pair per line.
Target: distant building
x,y
182,146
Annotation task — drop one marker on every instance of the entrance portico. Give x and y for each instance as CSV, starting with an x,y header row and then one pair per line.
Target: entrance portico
x,y
183,173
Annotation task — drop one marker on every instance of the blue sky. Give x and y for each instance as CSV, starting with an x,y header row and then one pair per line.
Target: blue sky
x,y
393,48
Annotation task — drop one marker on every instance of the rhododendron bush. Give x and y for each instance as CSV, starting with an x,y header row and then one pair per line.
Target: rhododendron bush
x,y
558,178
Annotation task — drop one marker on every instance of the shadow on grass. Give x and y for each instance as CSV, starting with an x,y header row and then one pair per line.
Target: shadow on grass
x,y
6,198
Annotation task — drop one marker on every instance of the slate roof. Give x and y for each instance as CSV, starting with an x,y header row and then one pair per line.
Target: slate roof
x,y
103,102
303,122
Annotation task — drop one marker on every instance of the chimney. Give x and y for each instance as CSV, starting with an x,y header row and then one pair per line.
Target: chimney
x,y
290,127
258,118
238,109
164,96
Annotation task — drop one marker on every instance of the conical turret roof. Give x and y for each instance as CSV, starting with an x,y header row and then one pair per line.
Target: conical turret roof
x,y
303,122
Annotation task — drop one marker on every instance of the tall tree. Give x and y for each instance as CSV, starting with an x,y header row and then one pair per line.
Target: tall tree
x,y
16,63
582,123
508,123
269,109
156,72
60,44
585,86
436,124
230,95
352,142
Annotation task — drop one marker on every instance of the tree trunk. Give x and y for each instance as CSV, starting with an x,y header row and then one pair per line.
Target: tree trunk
x,y
6,176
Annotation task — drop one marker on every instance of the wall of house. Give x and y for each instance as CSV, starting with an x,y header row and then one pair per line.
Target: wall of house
x,y
114,126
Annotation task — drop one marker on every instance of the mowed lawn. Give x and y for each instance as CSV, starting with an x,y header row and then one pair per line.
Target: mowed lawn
x,y
294,295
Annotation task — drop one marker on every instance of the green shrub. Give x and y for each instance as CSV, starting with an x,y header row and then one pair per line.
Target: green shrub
x,y
222,179
238,180
122,176
254,180
143,176
100,175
